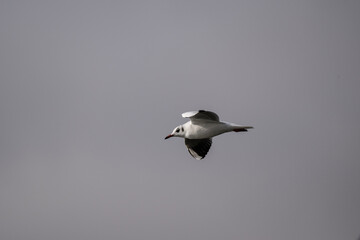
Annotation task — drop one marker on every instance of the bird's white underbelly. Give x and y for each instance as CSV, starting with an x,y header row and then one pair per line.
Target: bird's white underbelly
x,y
208,130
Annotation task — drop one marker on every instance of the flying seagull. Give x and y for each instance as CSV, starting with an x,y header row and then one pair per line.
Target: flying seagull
x,y
198,132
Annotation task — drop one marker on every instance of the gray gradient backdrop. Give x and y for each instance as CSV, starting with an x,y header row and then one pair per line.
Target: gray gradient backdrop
x,y
89,90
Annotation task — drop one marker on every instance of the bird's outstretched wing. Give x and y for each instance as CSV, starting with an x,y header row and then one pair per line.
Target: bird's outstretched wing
x,y
201,115
198,148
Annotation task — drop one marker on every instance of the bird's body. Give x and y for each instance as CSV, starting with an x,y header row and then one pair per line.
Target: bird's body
x,y
199,131
205,129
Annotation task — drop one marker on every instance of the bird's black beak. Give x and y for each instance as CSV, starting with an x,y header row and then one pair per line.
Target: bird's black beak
x,y
169,136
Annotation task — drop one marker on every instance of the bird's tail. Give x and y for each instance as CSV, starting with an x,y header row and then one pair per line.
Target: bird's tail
x,y
237,128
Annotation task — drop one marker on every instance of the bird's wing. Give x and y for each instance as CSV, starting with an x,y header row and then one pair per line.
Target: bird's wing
x,y
201,115
198,148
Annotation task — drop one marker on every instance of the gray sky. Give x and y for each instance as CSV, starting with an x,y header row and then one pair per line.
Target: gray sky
x,y
89,90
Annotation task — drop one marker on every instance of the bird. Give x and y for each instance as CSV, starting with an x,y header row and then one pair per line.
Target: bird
x,y
199,131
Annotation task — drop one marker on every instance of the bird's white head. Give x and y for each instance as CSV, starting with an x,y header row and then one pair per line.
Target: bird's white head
x,y
178,132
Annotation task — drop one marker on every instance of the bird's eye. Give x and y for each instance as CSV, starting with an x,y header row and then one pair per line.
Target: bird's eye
x,y
177,130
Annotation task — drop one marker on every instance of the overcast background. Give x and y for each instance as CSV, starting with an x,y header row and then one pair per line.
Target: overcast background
x,y
89,90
